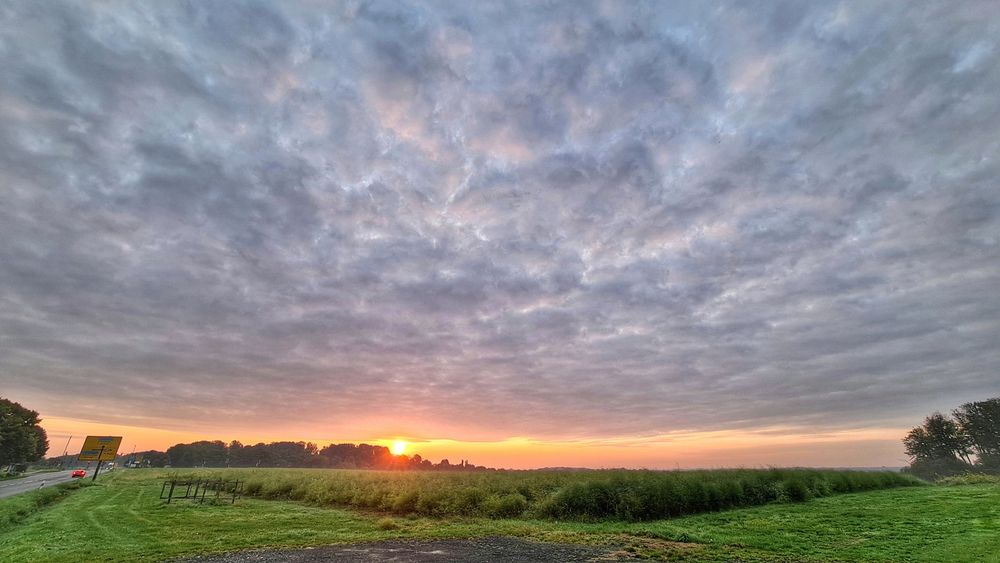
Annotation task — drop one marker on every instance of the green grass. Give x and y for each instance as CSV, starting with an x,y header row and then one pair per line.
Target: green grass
x,y
941,523
564,495
18,508
121,519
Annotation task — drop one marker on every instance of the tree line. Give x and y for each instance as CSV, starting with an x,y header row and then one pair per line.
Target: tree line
x,y
22,440
216,453
967,440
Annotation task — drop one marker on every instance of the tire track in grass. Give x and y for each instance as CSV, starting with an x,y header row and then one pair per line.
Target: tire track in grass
x,y
104,507
133,507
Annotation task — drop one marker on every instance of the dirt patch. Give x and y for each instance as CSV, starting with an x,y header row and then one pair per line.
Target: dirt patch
x,y
487,550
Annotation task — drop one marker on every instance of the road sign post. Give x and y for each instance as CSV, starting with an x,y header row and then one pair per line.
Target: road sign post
x,y
99,448
98,468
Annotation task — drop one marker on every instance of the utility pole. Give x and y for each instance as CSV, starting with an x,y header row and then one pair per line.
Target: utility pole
x,y
62,462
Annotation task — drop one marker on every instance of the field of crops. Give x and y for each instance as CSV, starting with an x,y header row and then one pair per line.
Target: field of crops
x,y
563,495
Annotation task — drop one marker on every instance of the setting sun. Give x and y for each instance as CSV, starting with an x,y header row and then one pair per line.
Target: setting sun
x,y
398,447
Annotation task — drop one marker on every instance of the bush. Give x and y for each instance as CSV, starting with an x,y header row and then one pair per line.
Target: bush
x,y
934,469
797,490
988,463
406,502
387,524
432,503
971,479
507,506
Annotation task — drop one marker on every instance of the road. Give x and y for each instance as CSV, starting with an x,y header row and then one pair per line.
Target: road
x,y
30,483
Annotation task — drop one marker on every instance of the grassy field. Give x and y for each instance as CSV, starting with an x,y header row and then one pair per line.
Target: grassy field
x,y
564,495
121,519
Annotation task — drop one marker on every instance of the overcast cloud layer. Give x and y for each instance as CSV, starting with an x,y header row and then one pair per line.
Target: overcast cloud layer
x,y
500,219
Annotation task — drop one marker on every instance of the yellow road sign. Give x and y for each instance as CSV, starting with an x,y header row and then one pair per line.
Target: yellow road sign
x,y
92,448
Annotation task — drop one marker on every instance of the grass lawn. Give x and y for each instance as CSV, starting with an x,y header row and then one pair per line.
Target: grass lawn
x,y
121,519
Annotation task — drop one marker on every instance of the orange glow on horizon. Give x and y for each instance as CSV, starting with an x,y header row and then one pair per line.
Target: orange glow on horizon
x,y
732,448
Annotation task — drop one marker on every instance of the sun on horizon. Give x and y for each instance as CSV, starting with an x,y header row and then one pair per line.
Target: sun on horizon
x,y
398,447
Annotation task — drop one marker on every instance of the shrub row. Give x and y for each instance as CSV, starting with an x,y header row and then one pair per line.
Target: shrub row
x,y
651,495
568,495
970,479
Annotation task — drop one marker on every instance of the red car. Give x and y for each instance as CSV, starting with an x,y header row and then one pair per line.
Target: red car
x,y
79,473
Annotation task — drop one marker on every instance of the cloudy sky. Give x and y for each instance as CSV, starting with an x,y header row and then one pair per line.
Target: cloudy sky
x,y
474,221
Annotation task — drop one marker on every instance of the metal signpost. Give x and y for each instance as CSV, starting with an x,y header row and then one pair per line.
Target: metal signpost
x,y
99,448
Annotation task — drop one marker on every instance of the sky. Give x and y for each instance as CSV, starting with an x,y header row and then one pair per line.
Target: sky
x,y
644,234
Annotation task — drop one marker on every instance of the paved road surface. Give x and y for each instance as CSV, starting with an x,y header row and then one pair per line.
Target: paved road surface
x,y
483,550
30,483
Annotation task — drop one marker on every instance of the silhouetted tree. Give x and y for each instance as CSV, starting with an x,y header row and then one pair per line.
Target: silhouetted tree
x,y
944,445
300,454
939,438
198,454
980,422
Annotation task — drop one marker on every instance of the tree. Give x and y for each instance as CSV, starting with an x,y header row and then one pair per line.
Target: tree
x,y
41,442
918,444
21,438
980,422
938,448
969,440
198,454
296,454
947,438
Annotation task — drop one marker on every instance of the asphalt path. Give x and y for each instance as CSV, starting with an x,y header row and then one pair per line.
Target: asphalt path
x,y
13,487
482,550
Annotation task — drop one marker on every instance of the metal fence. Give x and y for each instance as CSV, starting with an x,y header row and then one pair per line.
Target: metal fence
x,y
197,490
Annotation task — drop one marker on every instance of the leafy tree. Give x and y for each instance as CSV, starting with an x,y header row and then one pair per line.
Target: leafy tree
x,y
941,438
918,444
360,456
299,454
198,454
41,443
21,438
944,445
980,422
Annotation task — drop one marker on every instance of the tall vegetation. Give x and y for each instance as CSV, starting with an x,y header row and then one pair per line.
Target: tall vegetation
x,y
968,440
22,440
565,495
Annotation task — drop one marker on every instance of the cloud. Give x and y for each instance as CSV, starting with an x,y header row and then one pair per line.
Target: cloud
x,y
549,220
